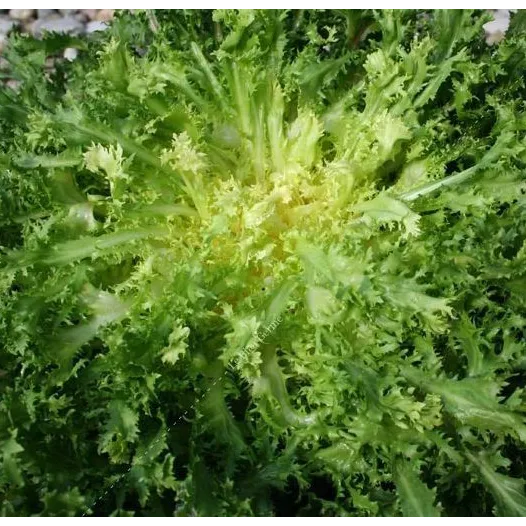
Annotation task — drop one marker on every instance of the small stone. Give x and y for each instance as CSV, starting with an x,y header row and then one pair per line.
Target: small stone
x,y
90,13
6,25
496,29
68,24
27,28
105,15
67,11
44,13
13,84
140,51
494,37
91,27
21,14
70,53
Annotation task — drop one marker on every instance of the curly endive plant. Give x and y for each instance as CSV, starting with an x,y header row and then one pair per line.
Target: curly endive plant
x,y
357,176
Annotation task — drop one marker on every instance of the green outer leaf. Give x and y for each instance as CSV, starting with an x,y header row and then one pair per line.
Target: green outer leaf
x,y
416,499
69,251
508,492
471,401
466,333
49,161
500,147
279,301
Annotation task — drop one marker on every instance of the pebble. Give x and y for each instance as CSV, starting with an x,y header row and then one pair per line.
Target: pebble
x,y
90,13
95,25
44,13
6,25
81,17
13,84
70,53
21,14
105,15
496,29
68,24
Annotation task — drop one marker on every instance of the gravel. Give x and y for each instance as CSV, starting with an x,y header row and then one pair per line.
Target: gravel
x,y
37,21
67,24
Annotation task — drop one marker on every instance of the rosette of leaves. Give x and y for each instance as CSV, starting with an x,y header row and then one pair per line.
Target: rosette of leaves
x,y
196,176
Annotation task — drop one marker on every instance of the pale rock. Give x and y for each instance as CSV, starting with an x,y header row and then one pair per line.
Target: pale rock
x,y
6,25
44,13
496,29
90,13
21,14
105,15
13,84
95,25
70,53
68,24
